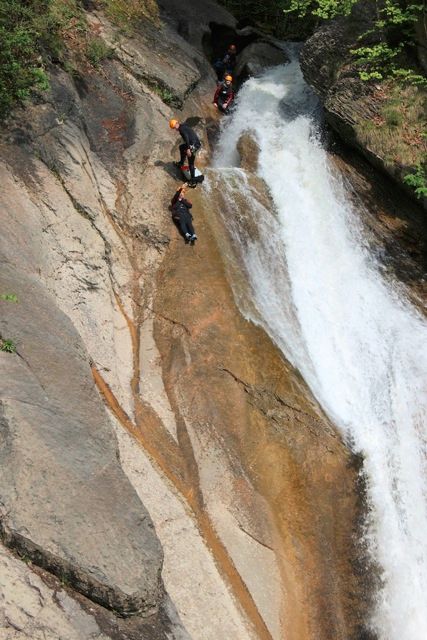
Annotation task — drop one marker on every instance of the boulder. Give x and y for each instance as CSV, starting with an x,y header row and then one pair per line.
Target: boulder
x,y
258,56
249,151
194,19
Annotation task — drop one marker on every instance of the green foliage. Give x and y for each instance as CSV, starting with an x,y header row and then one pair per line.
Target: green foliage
x,y
402,13
392,116
266,11
21,40
35,32
394,39
97,51
324,9
166,95
410,77
388,43
418,181
8,297
8,346
127,13
31,33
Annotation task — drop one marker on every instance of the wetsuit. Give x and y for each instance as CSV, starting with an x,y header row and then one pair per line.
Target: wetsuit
x,y
224,96
192,142
181,214
225,65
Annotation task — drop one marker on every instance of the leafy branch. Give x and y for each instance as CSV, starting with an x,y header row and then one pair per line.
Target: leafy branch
x,y
418,181
394,32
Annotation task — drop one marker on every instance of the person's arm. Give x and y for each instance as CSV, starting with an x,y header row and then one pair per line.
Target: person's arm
x,y
178,193
185,134
229,100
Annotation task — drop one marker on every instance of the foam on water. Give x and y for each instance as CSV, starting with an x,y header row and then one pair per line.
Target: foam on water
x,y
359,344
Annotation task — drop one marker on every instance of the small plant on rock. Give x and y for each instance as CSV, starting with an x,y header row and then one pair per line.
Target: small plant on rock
x,y
8,297
97,51
8,346
167,96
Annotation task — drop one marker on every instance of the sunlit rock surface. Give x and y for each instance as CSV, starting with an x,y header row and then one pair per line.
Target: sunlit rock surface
x,y
139,394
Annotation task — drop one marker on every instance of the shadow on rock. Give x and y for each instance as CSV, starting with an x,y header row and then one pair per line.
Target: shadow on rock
x,y
170,169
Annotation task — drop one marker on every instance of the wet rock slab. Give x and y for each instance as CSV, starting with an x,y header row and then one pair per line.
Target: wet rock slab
x,y
64,500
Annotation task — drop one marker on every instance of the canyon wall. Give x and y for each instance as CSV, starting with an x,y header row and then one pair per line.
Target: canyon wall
x,y
165,473
384,119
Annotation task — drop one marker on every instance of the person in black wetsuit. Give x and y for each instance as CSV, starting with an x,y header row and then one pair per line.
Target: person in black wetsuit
x,y
227,63
190,146
224,95
181,214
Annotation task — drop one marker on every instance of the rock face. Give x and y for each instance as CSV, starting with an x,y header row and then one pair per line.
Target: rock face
x,y
149,59
346,98
366,115
29,609
394,224
258,56
256,440
65,501
194,20
248,151
122,332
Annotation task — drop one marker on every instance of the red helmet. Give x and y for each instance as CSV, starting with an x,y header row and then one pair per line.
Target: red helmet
x,y
232,48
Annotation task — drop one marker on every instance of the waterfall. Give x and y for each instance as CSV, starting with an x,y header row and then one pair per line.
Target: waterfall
x,y
310,281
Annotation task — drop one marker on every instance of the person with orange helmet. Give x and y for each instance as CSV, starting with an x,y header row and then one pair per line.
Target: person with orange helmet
x,y
190,146
224,95
226,64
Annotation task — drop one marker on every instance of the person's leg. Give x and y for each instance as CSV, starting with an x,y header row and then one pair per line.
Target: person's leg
x,y
190,228
183,152
181,224
191,160
188,222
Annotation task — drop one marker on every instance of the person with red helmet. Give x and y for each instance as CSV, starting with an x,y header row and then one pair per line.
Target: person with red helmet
x,y
226,64
224,95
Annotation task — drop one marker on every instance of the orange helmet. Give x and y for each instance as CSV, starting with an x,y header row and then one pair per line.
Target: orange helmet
x,y
228,78
173,123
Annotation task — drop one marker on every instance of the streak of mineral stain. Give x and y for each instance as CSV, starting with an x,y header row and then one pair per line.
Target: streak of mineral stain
x,y
192,497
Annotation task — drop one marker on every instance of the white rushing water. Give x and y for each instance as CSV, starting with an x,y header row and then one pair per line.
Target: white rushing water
x,y
359,345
